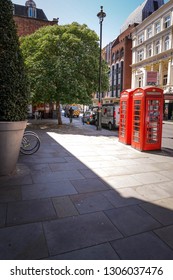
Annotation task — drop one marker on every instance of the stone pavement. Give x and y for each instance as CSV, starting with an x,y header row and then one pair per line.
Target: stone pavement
x,y
85,195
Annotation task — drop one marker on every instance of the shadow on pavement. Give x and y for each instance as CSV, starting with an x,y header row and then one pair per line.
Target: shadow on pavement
x,y
87,197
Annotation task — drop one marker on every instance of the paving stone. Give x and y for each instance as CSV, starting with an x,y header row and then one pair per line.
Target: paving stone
x,y
166,235
3,209
131,220
39,160
10,194
167,173
24,242
161,210
98,252
91,202
78,232
150,177
122,181
64,207
43,167
15,180
145,246
88,173
66,166
89,185
151,192
30,211
123,197
167,186
50,177
45,190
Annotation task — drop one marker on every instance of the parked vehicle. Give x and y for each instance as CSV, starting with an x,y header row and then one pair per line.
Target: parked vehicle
x,y
89,117
110,115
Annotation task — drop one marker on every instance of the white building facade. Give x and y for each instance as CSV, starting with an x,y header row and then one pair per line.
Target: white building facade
x,y
152,53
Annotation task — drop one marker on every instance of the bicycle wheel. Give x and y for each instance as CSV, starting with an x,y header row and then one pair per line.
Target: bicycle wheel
x,y
30,143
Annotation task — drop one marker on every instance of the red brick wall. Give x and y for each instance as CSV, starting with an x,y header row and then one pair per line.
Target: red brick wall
x,y
124,41
127,62
26,26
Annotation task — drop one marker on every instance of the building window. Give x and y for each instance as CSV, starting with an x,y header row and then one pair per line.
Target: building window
x,y
149,50
167,21
113,57
156,6
165,79
157,47
117,56
140,55
140,82
149,32
32,12
141,38
166,43
157,27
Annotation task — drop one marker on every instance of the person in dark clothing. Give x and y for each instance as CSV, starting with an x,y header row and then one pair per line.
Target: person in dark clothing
x,y
71,114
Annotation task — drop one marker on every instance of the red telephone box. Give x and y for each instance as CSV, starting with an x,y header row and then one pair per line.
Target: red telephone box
x,y
125,126
147,116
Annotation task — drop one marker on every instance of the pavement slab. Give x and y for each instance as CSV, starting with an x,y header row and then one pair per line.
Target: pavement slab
x,y
144,246
45,190
131,220
161,210
84,195
21,212
91,202
166,234
23,242
89,185
78,232
99,252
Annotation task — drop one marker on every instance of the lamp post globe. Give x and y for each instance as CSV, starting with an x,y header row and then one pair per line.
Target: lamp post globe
x,y
101,15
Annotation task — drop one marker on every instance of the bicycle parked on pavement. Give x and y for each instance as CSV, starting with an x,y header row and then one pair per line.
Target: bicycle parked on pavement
x,y
30,143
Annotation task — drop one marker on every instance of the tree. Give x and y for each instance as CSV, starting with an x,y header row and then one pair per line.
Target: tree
x,y
13,80
63,63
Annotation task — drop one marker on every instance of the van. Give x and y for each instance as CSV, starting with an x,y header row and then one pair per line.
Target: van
x,y
110,115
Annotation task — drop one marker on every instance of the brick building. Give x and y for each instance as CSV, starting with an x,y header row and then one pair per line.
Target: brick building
x,y
29,18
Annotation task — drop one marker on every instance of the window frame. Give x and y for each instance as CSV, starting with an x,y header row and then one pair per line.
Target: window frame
x,y
140,38
149,32
157,27
157,47
140,55
167,43
167,21
149,50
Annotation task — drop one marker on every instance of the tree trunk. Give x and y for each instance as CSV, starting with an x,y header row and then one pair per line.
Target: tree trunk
x,y
58,108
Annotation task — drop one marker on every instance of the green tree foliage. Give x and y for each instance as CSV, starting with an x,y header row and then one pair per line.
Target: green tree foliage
x,y
63,63
13,81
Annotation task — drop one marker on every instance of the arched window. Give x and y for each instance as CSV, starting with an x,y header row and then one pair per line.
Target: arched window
x,y
121,53
167,43
149,50
117,56
31,8
113,57
157,47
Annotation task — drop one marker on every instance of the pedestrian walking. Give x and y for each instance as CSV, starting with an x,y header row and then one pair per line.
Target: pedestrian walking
x,y
71,114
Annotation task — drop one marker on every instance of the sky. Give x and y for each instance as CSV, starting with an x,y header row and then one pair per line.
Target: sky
x,y
85,12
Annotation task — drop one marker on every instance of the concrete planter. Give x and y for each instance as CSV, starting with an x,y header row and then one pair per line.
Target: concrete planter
x,y
11,134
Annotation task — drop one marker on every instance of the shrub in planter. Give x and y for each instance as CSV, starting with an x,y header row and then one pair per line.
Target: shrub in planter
x,y
13,86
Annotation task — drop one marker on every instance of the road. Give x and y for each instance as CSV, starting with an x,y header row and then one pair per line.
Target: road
x,y
167,135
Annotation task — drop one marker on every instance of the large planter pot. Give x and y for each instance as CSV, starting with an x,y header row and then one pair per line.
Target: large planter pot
x,y
11,134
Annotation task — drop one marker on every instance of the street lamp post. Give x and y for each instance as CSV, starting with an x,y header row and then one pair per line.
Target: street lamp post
x,y
101,16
